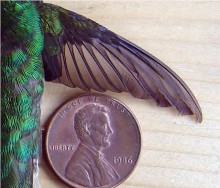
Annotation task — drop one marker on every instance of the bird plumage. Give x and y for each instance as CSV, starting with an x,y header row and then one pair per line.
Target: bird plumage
x,y
77,52
22,87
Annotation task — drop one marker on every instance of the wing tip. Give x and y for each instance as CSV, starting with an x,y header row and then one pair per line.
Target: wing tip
x,y
197,113
199,116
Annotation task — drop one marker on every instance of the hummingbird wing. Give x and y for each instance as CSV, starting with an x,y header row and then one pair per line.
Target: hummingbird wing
x,y
81,53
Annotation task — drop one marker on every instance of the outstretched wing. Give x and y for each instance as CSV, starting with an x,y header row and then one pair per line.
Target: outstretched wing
x,y
81,53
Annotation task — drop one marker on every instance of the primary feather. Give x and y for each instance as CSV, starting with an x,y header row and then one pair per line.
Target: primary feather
x,y
76,52
81,53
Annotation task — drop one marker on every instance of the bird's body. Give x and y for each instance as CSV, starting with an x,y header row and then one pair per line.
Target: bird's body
x,y
22,87
36,40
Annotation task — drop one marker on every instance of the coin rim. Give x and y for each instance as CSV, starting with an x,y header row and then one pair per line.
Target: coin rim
x,y
50,125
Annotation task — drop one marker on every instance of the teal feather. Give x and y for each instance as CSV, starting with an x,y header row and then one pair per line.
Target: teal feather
x,y
22,83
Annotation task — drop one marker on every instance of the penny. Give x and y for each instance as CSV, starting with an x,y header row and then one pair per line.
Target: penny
x,y
93,141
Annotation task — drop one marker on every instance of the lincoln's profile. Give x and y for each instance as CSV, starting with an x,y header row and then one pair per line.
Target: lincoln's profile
x,y
88,167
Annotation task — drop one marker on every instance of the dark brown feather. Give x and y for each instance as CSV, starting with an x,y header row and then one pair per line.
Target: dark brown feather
x,y
92,57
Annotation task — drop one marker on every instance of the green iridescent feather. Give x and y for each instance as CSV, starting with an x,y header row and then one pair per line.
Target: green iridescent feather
x,y
22,87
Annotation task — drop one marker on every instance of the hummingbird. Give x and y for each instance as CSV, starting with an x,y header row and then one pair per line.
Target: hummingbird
x,y
44,42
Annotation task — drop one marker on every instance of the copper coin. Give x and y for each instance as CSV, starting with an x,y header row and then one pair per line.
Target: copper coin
x,y
93,141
